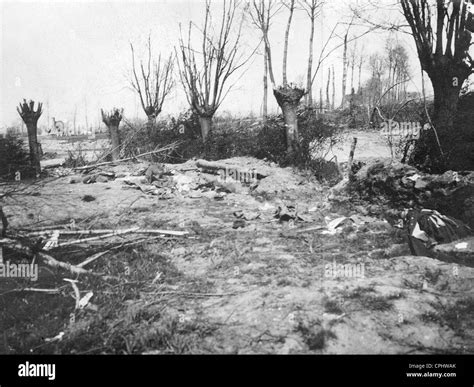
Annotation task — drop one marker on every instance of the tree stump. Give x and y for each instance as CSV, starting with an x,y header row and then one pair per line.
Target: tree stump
x,y
30,117
112,121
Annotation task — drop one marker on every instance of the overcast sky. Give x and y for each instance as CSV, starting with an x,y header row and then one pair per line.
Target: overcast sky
x,y
75,56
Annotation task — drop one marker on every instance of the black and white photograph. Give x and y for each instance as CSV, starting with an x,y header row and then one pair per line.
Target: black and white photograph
x,y
237,177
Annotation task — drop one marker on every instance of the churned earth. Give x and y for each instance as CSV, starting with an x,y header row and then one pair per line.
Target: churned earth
x,y
241,281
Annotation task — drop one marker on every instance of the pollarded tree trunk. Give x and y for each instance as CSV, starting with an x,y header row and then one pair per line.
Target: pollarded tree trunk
x,y
35,154
288,99
151,120
205,122
112,121
150,124
30,117
115,138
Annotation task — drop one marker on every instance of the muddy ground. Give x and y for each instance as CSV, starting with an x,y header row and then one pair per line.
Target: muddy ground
x,y
267,286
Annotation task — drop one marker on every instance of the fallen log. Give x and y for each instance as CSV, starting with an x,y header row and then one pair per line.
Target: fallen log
x,y
220,168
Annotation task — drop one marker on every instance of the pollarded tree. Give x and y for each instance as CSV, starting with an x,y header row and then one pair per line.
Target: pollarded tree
x,y
261,13
30,117
312,9
287,95
112,121
442,31
205,73
153,83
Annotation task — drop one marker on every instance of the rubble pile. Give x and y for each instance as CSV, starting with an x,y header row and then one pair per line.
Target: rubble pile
x,y
403,186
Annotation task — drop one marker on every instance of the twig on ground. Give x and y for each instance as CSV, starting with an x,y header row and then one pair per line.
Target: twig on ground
x,y
191,294
77,294
38,290
93,258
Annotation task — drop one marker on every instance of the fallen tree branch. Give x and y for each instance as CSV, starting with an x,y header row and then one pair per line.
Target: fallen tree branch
x,y
47,259
38,290
89,167
108,232
191,294
77,294
92,258
94,238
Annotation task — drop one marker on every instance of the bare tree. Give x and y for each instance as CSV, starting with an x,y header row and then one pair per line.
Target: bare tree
x,y
398,70
30,117
153,82
287,95
320,100
374,85
352,61
112,121
360,63
333,103
205,81
345,62
444,55
328,100
312,9
261,13
291,8
74,120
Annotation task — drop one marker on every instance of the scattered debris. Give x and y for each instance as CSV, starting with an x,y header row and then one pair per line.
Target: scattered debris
x,y
155,172
427,228
238,223
58,337
88,198
246,215
229,171
84,301
337,224
401,185
184,183
460,251
286,213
